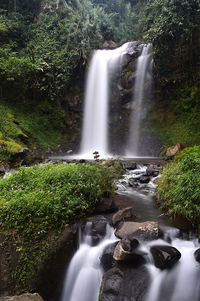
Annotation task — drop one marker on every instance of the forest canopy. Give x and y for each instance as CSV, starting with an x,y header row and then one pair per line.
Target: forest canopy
x,y
45,44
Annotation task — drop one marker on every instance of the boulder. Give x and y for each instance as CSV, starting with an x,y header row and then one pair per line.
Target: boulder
x,y
123,215
145,231
106,206
144,179
130,165
107,257
24,297
97,229
152,171
111,285
165,256
197,255
133,182
124,283
129,245
173,150
130,257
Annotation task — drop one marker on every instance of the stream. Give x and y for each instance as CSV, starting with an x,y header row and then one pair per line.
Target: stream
x,y
179,282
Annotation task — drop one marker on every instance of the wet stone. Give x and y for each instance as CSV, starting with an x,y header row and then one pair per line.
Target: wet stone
x,y
197,255
165,256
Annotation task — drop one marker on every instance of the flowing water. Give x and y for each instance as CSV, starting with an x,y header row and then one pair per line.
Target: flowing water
x,y
95,123
179,283
141,96
85,273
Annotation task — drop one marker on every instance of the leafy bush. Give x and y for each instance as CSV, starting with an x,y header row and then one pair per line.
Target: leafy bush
x,y
42,200
179,186
50,196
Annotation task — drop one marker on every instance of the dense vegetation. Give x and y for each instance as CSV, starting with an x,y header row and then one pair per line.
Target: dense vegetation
x,y
179,186
44,49
45,46
172,26
44,198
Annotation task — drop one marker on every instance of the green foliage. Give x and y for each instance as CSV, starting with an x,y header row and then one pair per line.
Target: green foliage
x,y
177,128
179,186
48,197
172,27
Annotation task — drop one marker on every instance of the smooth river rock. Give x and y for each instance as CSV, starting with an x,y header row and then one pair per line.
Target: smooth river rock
x,y
106,206
165,256
145,231
130,257
24,297
98,228
107,257
197,255
127,283
123,215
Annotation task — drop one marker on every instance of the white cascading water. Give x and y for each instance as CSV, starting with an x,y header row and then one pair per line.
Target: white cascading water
x,y
85,273
95,123
142,91
181,282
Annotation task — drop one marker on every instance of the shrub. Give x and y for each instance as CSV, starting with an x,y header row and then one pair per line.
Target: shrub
x,y
42,200
179,186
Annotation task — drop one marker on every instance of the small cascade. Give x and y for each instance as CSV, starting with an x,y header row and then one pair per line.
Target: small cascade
x,y
95,122
85,273
142,93
182,281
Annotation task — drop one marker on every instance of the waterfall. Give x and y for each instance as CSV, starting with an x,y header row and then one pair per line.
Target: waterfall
x,y
142,92
85,273
95,123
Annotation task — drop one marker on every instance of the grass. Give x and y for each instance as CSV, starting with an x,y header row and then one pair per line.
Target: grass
x,y
46,198
179,187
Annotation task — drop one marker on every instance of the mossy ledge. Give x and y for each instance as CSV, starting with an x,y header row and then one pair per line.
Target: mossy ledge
x,y
37,206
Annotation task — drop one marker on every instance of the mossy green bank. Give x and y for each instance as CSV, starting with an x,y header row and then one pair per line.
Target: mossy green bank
x,y
48,198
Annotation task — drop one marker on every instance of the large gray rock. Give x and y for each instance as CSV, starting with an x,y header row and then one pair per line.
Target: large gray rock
x,y
111,285
131,257
123,215
106,258
145,231
144,179
165,256
24,297
128,165
127,283
98,228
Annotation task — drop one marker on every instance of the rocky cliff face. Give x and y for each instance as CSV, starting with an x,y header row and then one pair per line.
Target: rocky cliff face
x,y
48,277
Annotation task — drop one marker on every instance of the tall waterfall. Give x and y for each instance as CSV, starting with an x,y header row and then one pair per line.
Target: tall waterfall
x,y
142,92
95,123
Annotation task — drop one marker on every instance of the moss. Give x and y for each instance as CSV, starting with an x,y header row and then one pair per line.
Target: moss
x,y
8,149
176,115
44,198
